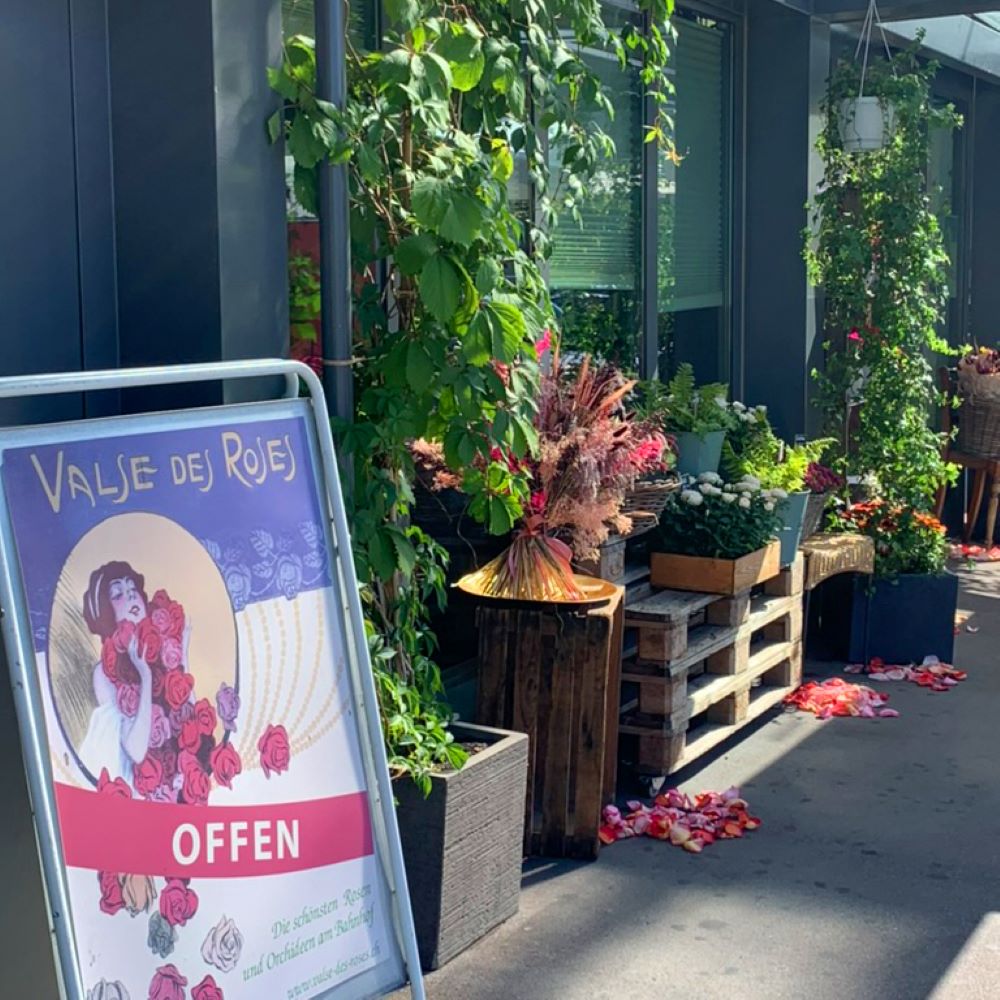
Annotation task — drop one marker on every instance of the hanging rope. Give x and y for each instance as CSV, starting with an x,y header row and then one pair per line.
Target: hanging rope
x,y
872,18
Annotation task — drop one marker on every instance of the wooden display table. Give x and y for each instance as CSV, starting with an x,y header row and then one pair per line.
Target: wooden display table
x,y
554,674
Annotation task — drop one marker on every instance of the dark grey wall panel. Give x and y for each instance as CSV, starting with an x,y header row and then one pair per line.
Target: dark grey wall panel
x,y
250,178
787,62
39,286
163,122
985,221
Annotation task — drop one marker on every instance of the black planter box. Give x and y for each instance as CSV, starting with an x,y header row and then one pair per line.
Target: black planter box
x,y
906,618
462,844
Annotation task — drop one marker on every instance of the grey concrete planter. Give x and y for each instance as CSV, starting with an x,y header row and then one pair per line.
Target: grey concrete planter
x,y
462,845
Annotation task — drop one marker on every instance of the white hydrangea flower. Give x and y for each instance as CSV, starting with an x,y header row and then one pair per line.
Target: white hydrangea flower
x,y
709,477
728,497
745,502
769,505
721,403
760,408
692,497
738,406
748,418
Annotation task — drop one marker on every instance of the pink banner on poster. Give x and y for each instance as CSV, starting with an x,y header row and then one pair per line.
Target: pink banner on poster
x,y
114,833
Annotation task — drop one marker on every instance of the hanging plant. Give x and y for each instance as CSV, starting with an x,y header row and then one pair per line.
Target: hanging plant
x,y
878,252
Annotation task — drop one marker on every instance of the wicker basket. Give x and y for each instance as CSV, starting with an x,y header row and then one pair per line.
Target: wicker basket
x,y
979,427
649,497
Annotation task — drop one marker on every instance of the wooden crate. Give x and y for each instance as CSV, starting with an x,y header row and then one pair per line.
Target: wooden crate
x,y
555,675
715,576
705,666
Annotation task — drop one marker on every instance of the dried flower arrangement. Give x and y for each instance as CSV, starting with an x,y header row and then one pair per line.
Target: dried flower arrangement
x,y
591,452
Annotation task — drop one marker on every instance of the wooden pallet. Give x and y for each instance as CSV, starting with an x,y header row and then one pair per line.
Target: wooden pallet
x,y
706,665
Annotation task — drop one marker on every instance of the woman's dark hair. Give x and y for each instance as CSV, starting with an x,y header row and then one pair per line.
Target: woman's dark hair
x,y
97,610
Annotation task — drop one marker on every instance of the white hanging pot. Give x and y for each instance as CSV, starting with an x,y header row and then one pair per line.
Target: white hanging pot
x,y
866,123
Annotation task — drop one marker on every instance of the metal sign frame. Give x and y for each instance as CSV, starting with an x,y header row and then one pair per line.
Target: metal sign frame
x,y
26,686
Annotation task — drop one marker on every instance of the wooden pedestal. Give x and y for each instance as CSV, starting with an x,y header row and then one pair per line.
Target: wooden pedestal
x,y
555,674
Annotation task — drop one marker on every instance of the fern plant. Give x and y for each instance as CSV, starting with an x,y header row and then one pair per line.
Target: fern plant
x,y
684,406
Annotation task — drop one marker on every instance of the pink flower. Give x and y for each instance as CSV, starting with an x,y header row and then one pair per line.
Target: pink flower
x,y
159,728
196,784
274,750
541,346
189,738
117,787
167,984
177,687
171,651
127,697
204,715
178,903
111,892
225,763
207,990
147,775
856,337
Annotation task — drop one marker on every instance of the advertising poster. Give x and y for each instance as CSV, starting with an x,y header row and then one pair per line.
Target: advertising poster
x,y
192,663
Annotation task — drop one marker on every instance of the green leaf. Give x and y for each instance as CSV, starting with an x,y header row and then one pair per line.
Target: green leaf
x,y
502,164
508,330
406,554
303,145
488,275
369,164
381,555
306,188
438,73
395,67
280,81
461,46
419,367
500,520
430,199
412,253
403,13
463,218
477,345
274,126
466,75
440,287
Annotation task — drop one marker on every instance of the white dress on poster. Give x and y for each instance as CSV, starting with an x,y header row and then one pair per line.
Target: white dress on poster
x,y
103,746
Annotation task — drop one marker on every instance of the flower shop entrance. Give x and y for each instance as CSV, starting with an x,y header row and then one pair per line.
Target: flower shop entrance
x,y
872,870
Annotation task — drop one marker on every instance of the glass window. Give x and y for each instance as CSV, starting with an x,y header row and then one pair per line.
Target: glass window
x,y
595,268
693,207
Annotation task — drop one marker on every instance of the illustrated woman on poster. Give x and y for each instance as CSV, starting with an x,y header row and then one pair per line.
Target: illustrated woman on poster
x,y
127,721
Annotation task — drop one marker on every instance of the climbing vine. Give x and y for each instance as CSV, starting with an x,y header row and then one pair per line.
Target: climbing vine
x,y
878,252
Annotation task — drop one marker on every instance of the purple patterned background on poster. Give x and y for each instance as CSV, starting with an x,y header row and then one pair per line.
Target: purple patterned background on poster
x,y
58,492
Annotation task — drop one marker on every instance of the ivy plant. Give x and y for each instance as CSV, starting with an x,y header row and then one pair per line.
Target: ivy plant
x,y
449,294
879,254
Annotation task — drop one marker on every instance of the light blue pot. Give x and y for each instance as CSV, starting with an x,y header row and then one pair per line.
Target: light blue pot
x,y
793,512
699,453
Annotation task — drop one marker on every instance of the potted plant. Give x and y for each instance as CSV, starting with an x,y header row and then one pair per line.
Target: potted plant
x,y
822,483
907,611
753,449
717,537
591,452
697,417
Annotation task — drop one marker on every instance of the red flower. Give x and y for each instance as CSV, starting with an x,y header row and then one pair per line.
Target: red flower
x,y
177,687
149,641
204,715
225,763
855,337
117,787
207,990
174,620
189,738
147,775
122,636
111,892
178,903
274,750
109,658
197,784
167,984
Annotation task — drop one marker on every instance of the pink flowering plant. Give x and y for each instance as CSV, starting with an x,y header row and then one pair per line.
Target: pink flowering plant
x,y
719,520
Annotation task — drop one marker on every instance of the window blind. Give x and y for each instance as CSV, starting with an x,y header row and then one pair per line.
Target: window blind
x,y
693,207
603,252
